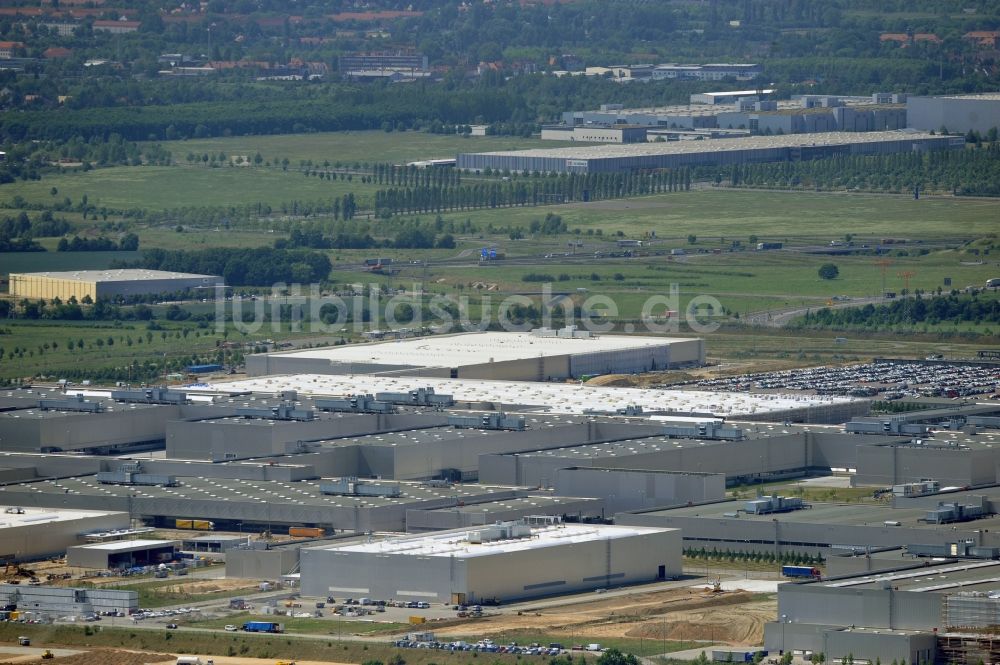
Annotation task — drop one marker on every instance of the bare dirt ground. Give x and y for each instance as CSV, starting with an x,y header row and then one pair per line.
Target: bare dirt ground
x,y
735,617
102,656
208,586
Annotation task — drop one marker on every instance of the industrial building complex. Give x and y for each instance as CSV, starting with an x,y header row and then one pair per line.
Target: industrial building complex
x,y
475,469
618,158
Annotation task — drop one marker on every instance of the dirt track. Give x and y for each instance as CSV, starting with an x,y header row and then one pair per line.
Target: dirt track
x,y
119,657
677,614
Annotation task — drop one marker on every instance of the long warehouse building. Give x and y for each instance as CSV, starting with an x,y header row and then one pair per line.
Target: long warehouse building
x,y
104,284
540,355
612,158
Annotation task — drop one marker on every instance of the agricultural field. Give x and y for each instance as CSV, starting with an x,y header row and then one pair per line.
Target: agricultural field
x,y
355,147
166,187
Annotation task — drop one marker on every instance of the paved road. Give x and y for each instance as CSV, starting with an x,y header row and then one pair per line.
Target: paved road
x,y
779,318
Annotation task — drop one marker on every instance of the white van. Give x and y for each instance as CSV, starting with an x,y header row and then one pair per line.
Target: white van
x,y
193,660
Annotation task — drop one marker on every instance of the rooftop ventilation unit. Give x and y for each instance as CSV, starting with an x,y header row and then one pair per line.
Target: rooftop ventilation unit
x,y
708,430
74,404
284,411
890,426
497,420
947,513
150,396
499,531
131,474
353,487
354,404
768,505
418,397
922,488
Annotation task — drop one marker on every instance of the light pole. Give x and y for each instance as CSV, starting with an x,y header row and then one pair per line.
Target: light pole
x,y
783,618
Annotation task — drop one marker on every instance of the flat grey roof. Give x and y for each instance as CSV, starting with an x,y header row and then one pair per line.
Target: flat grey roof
x,y
303,492
528,503
33,412
121,275
839,514
659,443
946,578
610,151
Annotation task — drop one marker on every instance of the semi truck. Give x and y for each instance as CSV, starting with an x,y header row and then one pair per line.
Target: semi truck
x,y
263,627
809,572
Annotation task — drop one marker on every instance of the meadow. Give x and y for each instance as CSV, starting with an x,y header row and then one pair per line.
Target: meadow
x,y
352,147
167,187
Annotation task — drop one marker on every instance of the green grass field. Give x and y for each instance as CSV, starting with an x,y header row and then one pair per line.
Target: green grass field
x,y
166,187
250,645
56,261
770,215
312,626
351,147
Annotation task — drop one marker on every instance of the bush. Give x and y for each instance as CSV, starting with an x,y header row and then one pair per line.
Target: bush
x,y
828,271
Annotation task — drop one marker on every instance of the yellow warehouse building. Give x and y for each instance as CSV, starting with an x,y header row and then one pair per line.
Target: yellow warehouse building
x,y
105,283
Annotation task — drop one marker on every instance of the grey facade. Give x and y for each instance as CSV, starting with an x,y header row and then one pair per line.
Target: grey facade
x,y
821,529
627,489
892,616
474,573
261,564
62,601
34,430
960,113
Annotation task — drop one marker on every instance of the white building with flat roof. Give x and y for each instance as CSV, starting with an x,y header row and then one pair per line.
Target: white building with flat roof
x,y
536,356
36,533
501,562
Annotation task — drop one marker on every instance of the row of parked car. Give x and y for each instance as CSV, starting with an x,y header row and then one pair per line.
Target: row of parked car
x,y
159,614
488,646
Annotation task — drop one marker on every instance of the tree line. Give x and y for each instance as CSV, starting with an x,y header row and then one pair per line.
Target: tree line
x,y
974,171
529,189
18,233
128,243
260,266
953,307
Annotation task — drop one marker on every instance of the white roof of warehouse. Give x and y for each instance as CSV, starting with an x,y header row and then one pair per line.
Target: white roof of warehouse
x,y
559,397
122,275
35,516
456,543
128,545
476,348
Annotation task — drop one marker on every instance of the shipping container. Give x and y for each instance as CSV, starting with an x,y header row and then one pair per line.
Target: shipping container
x,y
306,532
800,571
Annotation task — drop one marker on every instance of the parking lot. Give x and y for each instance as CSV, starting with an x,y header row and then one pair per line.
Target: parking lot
x,y
886,380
